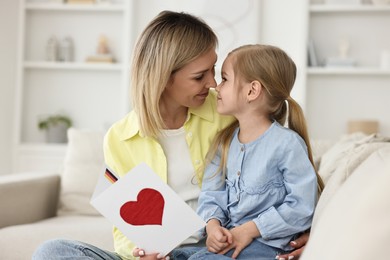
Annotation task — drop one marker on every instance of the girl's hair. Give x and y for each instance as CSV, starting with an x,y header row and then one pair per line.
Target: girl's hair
x,y
168,43
276,71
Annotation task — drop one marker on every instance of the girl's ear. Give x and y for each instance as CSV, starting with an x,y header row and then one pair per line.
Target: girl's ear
x,y
255,90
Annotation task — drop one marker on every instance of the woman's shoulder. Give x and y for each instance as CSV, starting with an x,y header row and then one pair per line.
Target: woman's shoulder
x,y
124,128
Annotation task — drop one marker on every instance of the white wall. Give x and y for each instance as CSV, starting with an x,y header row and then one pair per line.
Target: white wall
x,y
333,100
235,22
284,24
279,22
8,40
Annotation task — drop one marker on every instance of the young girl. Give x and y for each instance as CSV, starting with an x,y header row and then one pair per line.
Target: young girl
x,y
260,188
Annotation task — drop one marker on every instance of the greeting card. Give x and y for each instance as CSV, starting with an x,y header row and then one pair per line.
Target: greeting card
x,y
145,209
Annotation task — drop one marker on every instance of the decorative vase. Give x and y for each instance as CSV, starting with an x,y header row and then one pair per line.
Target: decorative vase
x,y
52,49
57,133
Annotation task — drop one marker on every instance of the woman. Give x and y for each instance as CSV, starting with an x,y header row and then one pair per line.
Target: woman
x,y
173,122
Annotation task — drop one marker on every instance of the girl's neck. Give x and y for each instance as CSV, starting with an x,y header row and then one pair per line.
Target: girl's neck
x,y
252,128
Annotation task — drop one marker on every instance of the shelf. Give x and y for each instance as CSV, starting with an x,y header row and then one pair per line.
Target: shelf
x,y
40,157
72,66
369,71
318,8
48,147
74,7
44,87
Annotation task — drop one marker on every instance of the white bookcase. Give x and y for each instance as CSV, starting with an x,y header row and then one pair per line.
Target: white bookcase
x,y
94,95
331,96
335,94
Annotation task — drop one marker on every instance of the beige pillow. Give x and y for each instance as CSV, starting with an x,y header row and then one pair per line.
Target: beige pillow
x,y
355,224
84,162
336,155
340,153
345,168
319,147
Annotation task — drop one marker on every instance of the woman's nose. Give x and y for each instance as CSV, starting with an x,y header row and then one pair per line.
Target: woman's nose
x,y
211,83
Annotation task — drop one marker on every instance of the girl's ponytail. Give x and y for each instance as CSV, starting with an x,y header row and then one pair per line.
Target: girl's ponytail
x,y
297,122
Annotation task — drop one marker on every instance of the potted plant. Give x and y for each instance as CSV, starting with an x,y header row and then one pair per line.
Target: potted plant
x,y
56,127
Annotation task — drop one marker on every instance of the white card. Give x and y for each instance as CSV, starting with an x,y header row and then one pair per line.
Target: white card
x,y
147,211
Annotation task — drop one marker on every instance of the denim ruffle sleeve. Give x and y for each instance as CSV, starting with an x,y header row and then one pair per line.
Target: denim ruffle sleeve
x,y
213,198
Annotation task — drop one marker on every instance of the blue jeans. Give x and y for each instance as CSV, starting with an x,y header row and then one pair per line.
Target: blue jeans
x,y
184,252
255,250
70,249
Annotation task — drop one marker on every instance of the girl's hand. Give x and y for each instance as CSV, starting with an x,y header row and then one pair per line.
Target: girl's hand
x,y
218,237
138,252
242,236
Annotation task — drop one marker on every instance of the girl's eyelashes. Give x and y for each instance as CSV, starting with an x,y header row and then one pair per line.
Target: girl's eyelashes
x,y
222,81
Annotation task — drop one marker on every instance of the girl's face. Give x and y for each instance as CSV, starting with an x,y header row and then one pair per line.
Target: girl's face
x,y
231,98
190,85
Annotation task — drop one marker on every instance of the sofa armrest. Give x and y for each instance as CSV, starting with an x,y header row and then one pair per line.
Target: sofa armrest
x,y
28,197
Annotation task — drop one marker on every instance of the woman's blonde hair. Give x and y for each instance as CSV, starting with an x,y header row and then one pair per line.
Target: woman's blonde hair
x,y
276,71
168,43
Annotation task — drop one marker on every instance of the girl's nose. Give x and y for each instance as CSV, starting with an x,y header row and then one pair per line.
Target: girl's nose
x,y
218,87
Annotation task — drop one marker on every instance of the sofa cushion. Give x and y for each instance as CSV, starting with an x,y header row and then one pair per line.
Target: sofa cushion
x,y
319,147
20,241
84,162
355,224
341,152
345,167
28,197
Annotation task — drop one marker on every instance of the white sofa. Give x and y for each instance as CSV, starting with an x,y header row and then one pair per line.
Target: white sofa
x,y
352,218
37,207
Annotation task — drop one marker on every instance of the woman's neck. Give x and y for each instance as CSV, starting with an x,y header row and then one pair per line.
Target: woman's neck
x,y
173,117
252,128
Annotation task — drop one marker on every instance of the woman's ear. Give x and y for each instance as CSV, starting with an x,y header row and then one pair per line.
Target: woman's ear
x,y
254,91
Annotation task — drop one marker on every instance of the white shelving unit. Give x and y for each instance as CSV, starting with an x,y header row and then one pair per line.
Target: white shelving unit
x,y
73,7
364,87
363,71
323,8
94,95
72,66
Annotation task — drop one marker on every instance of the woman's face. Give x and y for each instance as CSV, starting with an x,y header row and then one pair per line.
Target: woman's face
x,y
190,85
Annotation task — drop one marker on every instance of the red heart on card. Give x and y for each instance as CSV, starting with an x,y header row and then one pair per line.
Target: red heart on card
x,y
147,210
